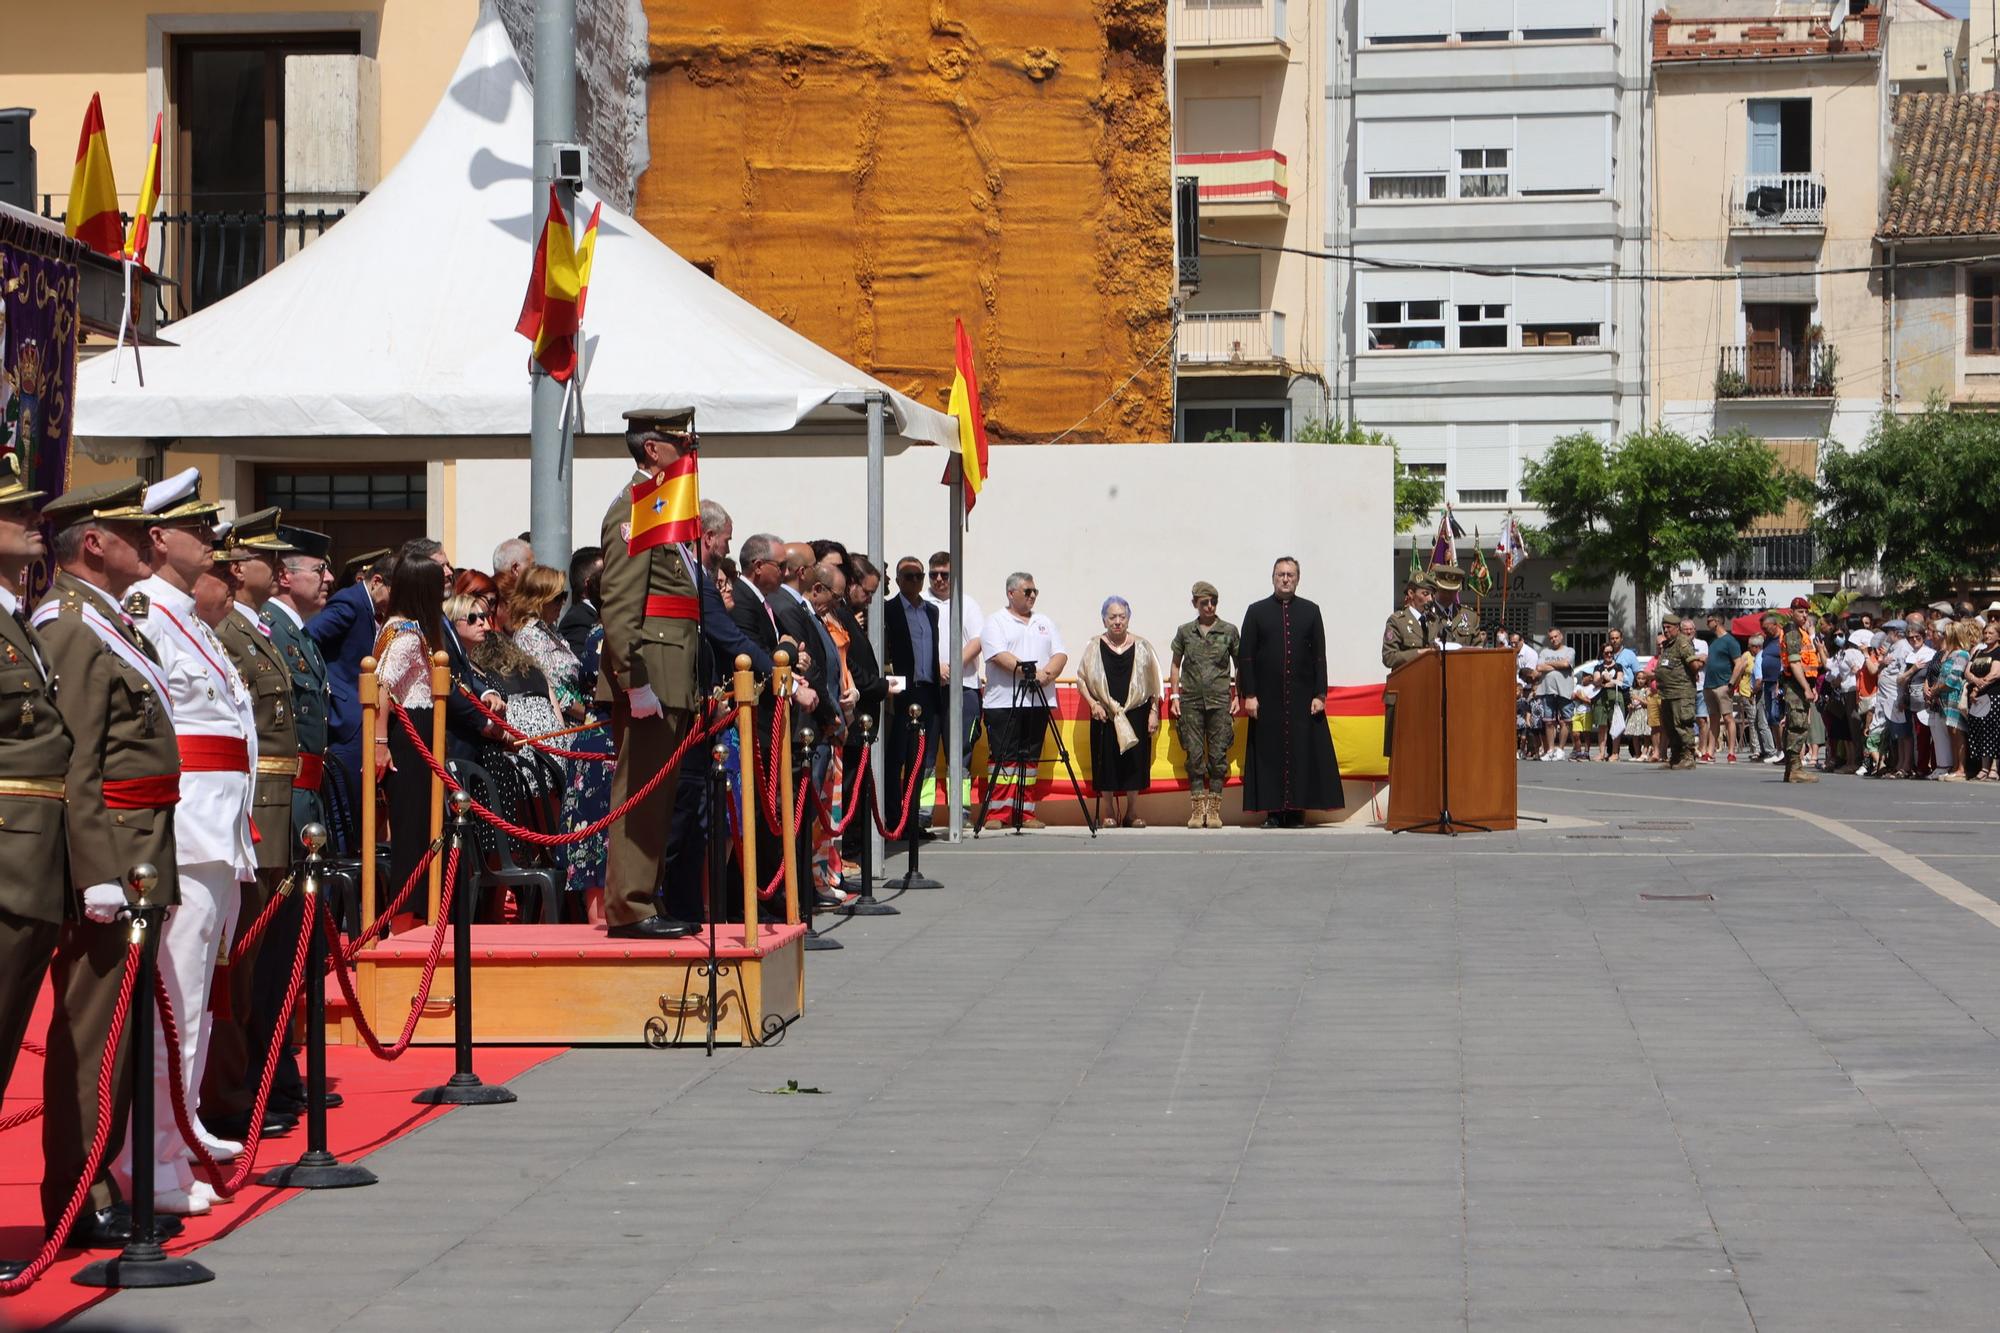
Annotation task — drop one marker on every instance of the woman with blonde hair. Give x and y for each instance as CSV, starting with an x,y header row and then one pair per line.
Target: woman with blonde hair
x,y
1949,701
1119,674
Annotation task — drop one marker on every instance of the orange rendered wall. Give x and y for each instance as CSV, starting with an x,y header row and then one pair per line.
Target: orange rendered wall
x,y
866,169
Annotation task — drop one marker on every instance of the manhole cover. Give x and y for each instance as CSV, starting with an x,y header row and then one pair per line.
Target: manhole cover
x,y
1676,897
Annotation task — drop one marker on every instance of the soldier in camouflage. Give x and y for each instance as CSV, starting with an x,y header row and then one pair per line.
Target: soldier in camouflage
x,y
1674,672
1200,685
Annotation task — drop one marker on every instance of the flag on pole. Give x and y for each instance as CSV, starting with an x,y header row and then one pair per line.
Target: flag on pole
x,y
549,311
140,232
1416,560
1441,549
965,405
586,253
1481,577
666,509
92,212
1512,549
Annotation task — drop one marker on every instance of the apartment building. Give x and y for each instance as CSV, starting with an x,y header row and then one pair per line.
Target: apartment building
x,y
1249,77
1772,131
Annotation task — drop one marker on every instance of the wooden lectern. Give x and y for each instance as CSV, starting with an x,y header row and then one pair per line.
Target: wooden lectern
x,y
1451,742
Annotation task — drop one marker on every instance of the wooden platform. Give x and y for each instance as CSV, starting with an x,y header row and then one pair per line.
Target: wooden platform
x,y
574,986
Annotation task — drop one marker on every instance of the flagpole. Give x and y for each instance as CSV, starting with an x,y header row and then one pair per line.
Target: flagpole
x,y
955,711
549,481
125,322
878,615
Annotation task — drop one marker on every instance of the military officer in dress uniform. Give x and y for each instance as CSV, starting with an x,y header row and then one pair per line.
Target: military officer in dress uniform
x,y
1452,621
249,560
1410,632
122,784
651,628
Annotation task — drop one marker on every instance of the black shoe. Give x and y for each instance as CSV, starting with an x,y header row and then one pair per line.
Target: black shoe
x,y
11,1269
111,1228
334,1099
237,1127
1276,819
652,928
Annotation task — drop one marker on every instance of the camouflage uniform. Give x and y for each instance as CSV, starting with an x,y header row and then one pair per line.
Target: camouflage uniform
x,y
1798,704
1675,680
1207,656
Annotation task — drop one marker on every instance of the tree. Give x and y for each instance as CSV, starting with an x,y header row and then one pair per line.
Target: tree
x,y
1914,502
1417,495
1651,501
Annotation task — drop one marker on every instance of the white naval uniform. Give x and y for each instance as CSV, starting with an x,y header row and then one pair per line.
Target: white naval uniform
x,y
212,849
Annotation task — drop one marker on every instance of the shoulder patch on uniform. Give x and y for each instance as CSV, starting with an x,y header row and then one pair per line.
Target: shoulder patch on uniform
x,y
137,605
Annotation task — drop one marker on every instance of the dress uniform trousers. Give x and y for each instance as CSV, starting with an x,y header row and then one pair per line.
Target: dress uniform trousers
x,y
638,842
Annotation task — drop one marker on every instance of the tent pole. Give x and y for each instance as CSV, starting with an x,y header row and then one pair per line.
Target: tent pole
x,y
549,479
878,610
955,714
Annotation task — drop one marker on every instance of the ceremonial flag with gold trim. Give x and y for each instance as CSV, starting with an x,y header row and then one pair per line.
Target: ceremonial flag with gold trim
x,y
140,233
965,405
92,213
666,509
549,311
1480,580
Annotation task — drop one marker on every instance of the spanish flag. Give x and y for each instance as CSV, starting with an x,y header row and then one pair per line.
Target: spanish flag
x,y
666,509
971,416
92,212
549,312
586,254
149,197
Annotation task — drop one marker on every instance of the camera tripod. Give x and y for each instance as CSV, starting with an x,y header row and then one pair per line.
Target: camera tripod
x,y
1028,693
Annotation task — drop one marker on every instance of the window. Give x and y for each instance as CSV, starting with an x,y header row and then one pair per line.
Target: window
x,y
1983,316
1405,325
1561,34
322,491
1425,470
1560,335
1482,326
1406,187
1482,173
1495,35
1780,135
1230,421
1483,497
1407,39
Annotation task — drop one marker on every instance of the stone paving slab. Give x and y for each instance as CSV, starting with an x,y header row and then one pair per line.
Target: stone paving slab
x,y
1295,1080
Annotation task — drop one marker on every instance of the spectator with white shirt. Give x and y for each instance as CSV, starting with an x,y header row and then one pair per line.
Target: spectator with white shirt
x,y
938,593
1024,654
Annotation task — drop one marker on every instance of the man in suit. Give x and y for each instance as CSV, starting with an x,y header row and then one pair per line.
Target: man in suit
x,y
910,641
819,657
345,631
579,618
120,787
759,598
870,682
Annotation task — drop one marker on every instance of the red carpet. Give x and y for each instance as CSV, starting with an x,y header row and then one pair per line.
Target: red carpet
x,y
378,1112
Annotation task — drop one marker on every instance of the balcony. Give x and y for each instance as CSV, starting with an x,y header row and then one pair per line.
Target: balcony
x,y
1248,184
1230,29
1684,39
1777,370
1222,341
1780,199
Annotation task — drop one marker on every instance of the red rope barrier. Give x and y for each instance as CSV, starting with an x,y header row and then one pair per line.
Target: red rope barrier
x,y
849,805
909,795
769,787
360,941
535,742
694,737
106,1071
798,816
21,1117
35,1048
258,927
228,1182
423,995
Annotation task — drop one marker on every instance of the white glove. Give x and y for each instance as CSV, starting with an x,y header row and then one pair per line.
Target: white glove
x,y
103,902
644,702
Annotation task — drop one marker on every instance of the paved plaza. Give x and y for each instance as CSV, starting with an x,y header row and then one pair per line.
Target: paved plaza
x,y
1681,1059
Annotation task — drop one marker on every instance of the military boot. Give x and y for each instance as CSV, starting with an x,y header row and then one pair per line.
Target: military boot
x,y
1212,814
1198,816
1796,771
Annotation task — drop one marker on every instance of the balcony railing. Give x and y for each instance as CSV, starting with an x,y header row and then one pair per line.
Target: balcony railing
x,y
1778,555
1208,24
1776,370
1232,337
1781,199
1256,176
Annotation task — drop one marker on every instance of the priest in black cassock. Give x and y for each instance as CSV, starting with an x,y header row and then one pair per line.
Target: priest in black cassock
x,y
1288,765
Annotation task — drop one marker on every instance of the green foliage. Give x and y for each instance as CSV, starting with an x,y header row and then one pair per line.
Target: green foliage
x,y
1916,501
1417,495
1730,384
1651,501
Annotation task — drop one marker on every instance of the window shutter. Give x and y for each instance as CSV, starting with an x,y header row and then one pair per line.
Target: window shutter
x,y
1562,153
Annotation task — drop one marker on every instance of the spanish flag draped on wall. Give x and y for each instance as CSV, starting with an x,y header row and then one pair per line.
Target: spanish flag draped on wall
x,y
92,213
549,312
667,508
149,197
971,416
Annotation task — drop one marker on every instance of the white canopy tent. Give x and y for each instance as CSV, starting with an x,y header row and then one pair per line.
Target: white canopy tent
x,y
399,322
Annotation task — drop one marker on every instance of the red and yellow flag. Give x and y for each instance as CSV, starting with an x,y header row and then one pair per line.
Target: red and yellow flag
x,y
667,508
586,254
92,213
971,416
549,312
149,197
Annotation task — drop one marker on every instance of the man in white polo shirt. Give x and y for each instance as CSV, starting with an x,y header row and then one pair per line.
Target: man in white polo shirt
x,y
937,591
1022,651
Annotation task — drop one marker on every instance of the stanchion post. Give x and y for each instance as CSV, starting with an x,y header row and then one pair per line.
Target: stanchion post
x,y
142,1263
464,1087
913,878
781,686
746,775
371,694
865,903
318,1169
440,691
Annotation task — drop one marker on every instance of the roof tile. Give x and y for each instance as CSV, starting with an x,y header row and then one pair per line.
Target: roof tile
x,y
1946,180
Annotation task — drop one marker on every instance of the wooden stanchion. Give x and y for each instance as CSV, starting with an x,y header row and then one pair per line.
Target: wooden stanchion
x,y
370,691
440,692
746,773
781,686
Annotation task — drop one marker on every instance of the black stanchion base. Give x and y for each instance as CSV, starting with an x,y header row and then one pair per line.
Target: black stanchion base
x,y
142,1264
908,882
816,943
464,1090
869,907
318,1171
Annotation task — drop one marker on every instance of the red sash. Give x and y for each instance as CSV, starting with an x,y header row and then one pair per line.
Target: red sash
x,y
312,767
667,607
214,754
142,793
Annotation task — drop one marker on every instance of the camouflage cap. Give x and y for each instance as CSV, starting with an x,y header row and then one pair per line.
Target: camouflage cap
x,y
1203,588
